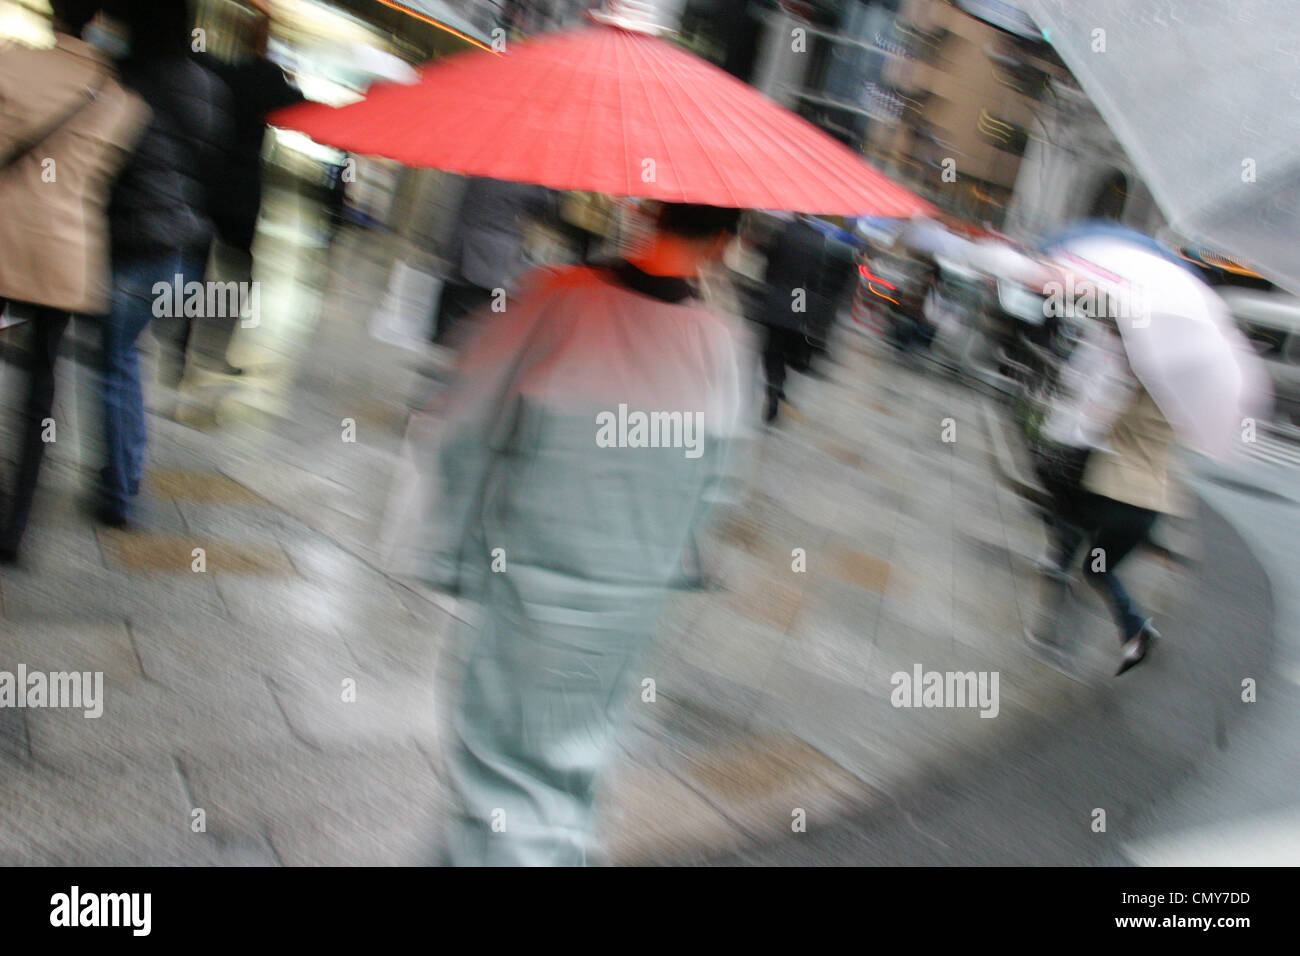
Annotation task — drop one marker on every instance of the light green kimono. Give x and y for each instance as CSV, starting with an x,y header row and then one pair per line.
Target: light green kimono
x,y
567,516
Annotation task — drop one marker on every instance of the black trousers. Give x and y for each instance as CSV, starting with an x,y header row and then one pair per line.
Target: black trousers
x,y
1111,528
783,348
458,300
46,327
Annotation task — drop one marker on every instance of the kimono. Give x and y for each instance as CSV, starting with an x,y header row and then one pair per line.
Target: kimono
x,y
574,457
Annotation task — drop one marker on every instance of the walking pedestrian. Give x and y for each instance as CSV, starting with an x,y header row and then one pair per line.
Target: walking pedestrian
x,y
1105,463
915,330
257,88
486,247
158,217
66,128
797,280
579,445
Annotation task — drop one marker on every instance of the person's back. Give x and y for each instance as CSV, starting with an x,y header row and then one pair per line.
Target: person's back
x,y
617,418
257,87
794,262
163,196
488,237
1133,466
577,453
66,126
53,233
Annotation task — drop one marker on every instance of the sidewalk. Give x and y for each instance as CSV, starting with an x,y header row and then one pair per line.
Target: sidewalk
x,y
225,689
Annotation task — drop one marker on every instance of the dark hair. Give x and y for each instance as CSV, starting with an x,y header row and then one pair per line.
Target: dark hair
x,y
692,221
73,15
158,27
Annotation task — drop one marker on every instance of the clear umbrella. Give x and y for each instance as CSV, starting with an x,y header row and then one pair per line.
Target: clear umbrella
x,y
1204,95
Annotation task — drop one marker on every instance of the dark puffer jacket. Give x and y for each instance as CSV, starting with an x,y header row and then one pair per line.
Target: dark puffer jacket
x,y
800,257
161,201
257,87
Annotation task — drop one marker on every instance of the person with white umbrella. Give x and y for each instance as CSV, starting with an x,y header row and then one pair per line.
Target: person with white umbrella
x,y
1162,365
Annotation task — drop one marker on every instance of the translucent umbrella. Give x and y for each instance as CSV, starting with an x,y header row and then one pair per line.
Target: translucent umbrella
x,y
1180,339
1204,96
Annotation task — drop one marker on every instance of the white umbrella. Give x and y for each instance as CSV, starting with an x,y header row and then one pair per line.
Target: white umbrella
x,y
1179,337
1002,260
380,64
930,236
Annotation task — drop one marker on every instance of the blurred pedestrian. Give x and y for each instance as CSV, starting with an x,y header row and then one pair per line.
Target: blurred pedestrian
x,y
587,218
914,327
576,452
158,219
1105,462
796,286
1178,369
257,88
66,127
336,200
485,251
838,274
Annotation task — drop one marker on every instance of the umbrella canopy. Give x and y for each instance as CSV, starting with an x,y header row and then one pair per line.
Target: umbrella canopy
x,y
1180,339
1204,96
1002,260
931,237
371,61
879,229
614,111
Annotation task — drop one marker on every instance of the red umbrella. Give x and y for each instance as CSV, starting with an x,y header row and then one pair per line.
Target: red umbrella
x,y
611,111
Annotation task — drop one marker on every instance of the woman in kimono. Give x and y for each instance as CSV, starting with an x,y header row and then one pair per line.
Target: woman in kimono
x,y
575,453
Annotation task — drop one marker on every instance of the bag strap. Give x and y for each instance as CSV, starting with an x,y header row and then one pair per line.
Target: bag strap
x,y
88,95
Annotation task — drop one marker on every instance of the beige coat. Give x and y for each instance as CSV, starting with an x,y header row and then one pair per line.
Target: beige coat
x,y
53,201
1134,465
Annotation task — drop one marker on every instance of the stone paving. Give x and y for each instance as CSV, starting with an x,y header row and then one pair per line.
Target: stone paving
x,y
225,688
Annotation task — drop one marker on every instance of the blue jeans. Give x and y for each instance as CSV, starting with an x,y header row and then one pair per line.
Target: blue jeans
x,y
129,312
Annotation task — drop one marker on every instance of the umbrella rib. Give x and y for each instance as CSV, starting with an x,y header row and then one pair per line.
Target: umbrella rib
x,y
627,146
848,174
641,74
490,147
610,55
740,130
792,147
573,110
570,176
657,124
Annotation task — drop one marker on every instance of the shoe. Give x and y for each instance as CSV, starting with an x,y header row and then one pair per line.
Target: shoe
x,y
1137,647
8,555
133,490
111,515
771,409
